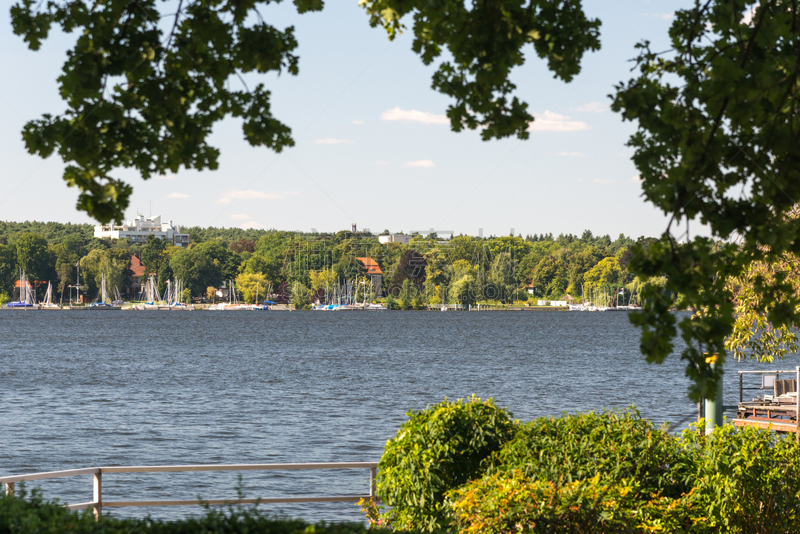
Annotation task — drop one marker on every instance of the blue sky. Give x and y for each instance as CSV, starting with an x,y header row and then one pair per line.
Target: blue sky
x,y
372,146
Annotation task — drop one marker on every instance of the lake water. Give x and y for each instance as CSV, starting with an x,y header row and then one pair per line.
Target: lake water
x,y
82,389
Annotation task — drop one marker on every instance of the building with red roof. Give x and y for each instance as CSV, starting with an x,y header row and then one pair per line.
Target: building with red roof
x,y
374,272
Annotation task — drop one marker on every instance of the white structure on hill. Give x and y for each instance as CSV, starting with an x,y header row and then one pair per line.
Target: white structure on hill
x,y
138,229
394,238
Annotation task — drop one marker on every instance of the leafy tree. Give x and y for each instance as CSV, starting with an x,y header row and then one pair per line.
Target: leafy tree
x,y
66,254
606,272
464,287
270,268
243,245
253,286
154,254
211,294
195,269
33,256
8,268
550,277
322,280
717,140
502,276
410,266
300,296
90,271
274,244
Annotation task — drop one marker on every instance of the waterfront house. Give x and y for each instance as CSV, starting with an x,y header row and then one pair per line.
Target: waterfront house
x,y
375,274
138,275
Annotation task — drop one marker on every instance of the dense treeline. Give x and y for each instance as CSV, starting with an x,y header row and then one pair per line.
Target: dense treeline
x,y
304,266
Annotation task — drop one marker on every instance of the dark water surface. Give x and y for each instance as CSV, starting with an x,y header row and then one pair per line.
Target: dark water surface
x,y
82,388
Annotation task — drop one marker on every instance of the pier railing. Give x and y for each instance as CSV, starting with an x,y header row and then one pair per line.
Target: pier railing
x,y
97,503
769,414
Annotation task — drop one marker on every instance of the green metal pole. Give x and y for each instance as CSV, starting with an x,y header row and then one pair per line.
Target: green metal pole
x,y
714,406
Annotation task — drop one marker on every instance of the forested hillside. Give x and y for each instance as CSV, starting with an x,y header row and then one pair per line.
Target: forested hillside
x,y
461,269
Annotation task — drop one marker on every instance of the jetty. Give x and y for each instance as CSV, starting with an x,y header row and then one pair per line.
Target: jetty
x,y
776,406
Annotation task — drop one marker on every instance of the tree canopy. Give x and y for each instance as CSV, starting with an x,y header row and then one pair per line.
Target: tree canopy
x,y
717,140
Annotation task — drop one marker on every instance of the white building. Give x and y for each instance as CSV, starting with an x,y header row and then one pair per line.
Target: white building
x,y
138,229
394,238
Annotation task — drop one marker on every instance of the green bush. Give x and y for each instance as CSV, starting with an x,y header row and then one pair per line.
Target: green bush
x,y
26,514
512,502
746,480
614,444
438,449
465,466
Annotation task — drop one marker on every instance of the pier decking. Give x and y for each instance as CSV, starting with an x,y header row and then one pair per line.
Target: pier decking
x,y
777,409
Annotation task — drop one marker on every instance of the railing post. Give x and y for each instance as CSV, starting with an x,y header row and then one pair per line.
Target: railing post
x,y
9,488
797,411
741,390
373,475
97,494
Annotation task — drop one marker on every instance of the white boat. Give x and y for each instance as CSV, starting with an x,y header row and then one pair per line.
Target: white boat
x,y
48,298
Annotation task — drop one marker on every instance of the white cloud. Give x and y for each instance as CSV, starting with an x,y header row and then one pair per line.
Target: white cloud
x,y
330,141
637,179
413,115
358,122
251,194
663,16
250,224
382,163
178,195
593,107
164,177
240,217
571,154
553,122
598,181
420,163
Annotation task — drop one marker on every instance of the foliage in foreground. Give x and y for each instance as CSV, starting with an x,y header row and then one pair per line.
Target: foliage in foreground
x,y
438,449
610,472
28,513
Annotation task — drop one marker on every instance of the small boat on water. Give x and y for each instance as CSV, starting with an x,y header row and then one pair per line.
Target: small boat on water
x,y
26,297
103,303
48,299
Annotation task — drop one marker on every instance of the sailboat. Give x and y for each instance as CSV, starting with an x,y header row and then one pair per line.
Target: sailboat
x,y
48,298
103,304
26,298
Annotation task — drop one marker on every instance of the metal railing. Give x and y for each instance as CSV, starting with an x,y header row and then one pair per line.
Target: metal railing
x,y
97,503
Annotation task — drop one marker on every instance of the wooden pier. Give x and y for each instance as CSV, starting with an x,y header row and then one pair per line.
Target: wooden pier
x,y
777,409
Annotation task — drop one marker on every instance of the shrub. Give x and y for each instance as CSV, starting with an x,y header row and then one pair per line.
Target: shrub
x,y
438,449
615,445
511,502
746,480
